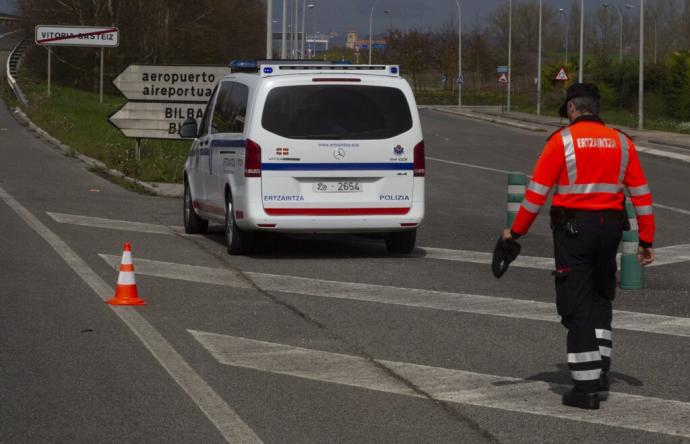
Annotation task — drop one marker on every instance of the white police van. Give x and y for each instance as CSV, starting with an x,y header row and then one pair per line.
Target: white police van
x,y
298,147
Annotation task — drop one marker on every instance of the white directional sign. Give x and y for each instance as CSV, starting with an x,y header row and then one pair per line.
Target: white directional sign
x,y
162,83
155,120
96,36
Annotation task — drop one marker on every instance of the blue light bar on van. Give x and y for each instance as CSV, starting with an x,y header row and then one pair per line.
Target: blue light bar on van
x,y
268,70
243,64
394,70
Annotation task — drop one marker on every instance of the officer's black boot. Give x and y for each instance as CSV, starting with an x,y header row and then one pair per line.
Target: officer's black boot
x,y
582,400
604,382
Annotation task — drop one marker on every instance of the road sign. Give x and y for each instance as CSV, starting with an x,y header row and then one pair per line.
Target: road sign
x,y
155,120
501,69
503,78
460,79
562,75
95,36
161,83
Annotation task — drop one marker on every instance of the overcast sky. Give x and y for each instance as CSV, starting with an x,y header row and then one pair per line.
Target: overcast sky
x,y
344,15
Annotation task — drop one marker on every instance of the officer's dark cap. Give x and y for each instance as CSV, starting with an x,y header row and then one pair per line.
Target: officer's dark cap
x,y
578,90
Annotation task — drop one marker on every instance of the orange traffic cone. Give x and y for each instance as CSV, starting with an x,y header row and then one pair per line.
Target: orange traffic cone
x,y
126,290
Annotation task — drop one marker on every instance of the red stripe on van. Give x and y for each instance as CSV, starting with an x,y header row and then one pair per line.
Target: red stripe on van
x,y
335,211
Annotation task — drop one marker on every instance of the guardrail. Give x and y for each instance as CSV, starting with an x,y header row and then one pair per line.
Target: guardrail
x,y
13,63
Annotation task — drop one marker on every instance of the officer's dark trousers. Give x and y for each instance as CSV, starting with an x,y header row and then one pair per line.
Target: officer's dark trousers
x,y
585,288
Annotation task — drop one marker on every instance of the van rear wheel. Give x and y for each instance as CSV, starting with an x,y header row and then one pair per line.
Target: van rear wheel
x,y
237,241
193,224
401,242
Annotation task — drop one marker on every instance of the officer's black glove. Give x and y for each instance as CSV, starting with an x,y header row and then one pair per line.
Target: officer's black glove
x,y
506,251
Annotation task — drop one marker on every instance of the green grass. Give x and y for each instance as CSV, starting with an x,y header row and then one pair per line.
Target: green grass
x,y
77,119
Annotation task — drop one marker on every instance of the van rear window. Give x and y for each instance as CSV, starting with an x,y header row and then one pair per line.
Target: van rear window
x,y
334,112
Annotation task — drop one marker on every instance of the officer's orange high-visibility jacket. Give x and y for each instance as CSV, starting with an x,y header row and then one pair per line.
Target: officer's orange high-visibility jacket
x,y
590,164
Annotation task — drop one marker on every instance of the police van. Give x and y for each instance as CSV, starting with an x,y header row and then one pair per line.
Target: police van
x,y
298,147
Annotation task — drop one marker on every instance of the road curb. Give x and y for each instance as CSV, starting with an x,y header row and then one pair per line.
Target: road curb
x,y
163,190
486,118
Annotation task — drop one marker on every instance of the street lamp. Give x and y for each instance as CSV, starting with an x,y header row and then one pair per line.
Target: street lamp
x,y
460,78
539,65
567,32
510,47
311,7
582,41
269,29
388,12
641,81
371,24
283,37
304,13
620,17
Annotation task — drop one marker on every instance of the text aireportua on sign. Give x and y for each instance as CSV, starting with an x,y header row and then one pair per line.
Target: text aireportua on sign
x,y
162,83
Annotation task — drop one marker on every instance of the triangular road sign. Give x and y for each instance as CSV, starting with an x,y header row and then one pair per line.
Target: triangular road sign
x,y
503,78
562,74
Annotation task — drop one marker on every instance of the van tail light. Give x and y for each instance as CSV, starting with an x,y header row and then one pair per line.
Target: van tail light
x,y
252,159
419,164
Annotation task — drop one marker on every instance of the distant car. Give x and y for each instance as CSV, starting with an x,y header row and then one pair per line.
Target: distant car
x,y
307,148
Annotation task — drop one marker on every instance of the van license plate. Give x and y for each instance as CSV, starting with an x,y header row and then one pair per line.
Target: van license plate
x,y
337,187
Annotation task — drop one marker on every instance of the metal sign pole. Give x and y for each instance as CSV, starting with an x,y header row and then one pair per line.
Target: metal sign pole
x,y
137,149
49,71
101,84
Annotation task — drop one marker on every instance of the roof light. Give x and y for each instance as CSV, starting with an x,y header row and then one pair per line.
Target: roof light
x,y
268,70
239,65
394,70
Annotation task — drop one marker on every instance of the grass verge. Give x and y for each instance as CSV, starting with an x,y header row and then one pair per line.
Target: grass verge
x,y
77,119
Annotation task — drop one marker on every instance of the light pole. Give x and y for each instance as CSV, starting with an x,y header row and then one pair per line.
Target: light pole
x,y
388,12
283,37
371,25
640,105
567,32
311,7
510,48
304,13
539,65
460,78
295,29
269,29
582,41
620,17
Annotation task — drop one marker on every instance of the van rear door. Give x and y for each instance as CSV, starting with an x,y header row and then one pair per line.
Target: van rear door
x,y
338,146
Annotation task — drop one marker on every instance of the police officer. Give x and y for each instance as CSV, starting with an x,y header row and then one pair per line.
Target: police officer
x,y
588,165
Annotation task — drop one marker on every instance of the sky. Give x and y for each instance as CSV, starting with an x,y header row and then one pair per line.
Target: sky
x,y
345,15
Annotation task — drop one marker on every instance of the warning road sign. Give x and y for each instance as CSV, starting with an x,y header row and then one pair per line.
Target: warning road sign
x,y
96,36
562,75
503,78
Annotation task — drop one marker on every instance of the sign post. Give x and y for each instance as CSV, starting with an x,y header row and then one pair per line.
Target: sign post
x,y
161,97
93,36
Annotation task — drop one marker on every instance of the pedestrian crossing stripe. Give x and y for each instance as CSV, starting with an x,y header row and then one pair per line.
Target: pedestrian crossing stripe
x,y
534,397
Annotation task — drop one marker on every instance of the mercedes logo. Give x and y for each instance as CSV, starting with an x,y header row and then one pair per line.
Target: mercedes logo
x,y
339,154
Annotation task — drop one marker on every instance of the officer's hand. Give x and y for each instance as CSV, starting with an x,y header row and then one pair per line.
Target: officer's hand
x,y
506,234
645,256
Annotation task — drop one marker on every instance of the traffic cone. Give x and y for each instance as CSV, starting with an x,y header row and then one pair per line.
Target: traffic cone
x,y
126,289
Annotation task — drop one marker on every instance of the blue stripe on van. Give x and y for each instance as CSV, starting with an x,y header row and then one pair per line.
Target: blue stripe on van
x,y
336,166
228,143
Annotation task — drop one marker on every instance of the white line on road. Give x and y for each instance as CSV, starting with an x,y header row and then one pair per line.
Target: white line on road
x,y
495,170
409,297
480,257
230,425
9,33
664,153
677,210
535,397
112,224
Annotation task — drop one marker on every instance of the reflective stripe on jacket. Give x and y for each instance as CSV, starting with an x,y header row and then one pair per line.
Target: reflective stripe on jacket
x,y
589,165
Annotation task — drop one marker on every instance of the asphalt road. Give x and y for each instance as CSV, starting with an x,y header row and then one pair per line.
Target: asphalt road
x,y
325,339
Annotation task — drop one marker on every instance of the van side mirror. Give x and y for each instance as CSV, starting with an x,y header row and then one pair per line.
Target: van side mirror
x,y
189,129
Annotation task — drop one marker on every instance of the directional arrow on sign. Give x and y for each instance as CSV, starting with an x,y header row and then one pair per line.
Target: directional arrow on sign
x,y
154,120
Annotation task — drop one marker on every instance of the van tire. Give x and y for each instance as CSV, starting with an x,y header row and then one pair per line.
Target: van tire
x,y
193,224
400,242
237,241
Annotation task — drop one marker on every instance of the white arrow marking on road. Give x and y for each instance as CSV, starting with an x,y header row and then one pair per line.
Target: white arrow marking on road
x,y
665,255
457,386
409,297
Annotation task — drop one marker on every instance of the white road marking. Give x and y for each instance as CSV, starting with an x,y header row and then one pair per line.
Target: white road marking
x,y
677,210
9,33
665,255
495,170
408,297
634,412
112,224
664,153
228,423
